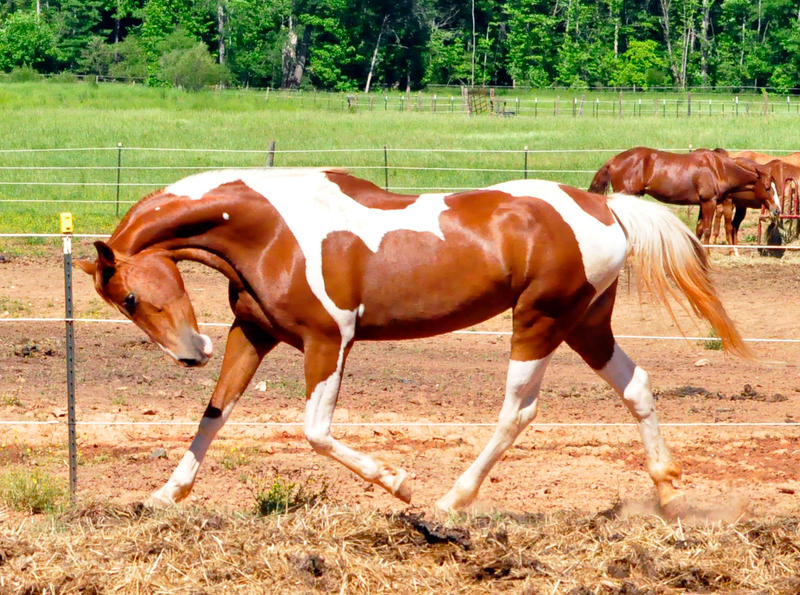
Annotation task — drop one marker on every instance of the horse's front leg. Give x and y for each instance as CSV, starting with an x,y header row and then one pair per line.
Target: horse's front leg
x,y
719,215
324,362
246,347
731,228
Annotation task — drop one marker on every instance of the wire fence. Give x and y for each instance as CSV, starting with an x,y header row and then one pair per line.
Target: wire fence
x,y
130,172
102,182
600,103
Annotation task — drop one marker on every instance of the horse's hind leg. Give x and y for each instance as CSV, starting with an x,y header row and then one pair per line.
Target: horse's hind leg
x,y
535,337
519,409
245,349
324,363
593,340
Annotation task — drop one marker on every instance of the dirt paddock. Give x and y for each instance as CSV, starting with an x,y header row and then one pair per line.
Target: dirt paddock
x,y
426,405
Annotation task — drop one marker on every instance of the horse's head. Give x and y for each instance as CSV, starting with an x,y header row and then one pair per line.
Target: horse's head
x,y
764,187
147,288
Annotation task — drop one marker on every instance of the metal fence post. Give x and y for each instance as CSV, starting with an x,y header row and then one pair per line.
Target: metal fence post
x,y
526,162
385,168
119,169
66,230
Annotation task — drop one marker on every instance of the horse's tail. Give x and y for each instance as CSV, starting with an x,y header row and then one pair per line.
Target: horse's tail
x,y
601,180
663,249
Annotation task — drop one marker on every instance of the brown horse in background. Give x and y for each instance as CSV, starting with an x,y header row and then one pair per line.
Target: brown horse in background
x,y
733,209
702,177
763,158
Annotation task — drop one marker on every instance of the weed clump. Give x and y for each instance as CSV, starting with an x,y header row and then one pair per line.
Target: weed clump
x,y
282,496
32,491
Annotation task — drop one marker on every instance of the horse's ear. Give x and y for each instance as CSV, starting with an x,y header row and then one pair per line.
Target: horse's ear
x,y
86,266
105,255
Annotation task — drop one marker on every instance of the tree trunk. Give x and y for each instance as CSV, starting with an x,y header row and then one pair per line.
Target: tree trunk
x,y
665,5
294,57
117,19
375,53
472,75
221,31
705,44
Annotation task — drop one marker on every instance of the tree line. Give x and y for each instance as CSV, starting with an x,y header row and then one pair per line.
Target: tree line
x,y
350,45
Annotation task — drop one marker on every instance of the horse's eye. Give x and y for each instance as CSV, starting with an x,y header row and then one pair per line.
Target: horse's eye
x,y
129,303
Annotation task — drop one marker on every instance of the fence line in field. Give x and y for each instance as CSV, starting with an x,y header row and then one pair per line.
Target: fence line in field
x,y
506,170
459,332
413,424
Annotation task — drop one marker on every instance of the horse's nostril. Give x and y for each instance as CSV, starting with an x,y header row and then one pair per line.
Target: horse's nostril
x,y
190,362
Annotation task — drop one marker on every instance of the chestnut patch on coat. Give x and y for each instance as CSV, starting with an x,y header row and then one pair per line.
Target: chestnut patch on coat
x,y
593,204
368,194
344,255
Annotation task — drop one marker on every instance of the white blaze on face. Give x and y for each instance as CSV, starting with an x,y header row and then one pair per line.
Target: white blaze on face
x,y
313,207
776,199
603,247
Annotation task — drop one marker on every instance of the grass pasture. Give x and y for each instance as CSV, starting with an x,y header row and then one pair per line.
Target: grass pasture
x,y
59,141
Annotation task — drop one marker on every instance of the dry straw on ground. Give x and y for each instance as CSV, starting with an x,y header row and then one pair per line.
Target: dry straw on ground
x,y
338,549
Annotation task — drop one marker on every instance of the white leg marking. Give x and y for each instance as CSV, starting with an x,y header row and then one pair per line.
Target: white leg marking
x,y
633,384
519,409
182,479
317,427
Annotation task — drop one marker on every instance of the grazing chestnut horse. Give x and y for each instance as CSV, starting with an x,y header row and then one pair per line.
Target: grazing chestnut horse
x,y
701,177
319,259
786,178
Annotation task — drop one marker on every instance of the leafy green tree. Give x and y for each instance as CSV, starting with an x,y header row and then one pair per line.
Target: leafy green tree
x,y
191,68
96,57
257,32
448,62
641,65
26,40
530,43
131,59
78,23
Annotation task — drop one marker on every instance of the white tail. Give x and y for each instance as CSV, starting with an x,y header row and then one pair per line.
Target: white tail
x,y
664,249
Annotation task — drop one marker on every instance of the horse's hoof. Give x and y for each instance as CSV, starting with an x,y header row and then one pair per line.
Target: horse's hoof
x,y
403,491
159,500
677,507
448,504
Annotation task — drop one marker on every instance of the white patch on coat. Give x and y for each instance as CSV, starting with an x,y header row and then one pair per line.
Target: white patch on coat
x,y
297,193
603,247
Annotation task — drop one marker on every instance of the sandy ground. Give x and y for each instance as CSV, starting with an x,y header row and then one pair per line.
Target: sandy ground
x,y
426,405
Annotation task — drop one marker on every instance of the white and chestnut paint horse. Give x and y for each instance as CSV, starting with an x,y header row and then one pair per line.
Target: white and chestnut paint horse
x,y
319,259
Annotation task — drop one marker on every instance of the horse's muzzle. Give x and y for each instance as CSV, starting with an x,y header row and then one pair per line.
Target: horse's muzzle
x,y
199,352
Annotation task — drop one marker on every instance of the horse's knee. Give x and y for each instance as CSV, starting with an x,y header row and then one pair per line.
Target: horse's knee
x,y
320,440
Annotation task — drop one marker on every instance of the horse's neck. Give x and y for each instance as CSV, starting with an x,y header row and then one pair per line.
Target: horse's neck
x,y
170,224
736,176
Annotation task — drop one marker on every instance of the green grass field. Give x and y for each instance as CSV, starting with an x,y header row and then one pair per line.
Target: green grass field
x,y
59,141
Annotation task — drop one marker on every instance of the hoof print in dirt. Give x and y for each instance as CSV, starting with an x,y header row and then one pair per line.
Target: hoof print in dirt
x,y
437,533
